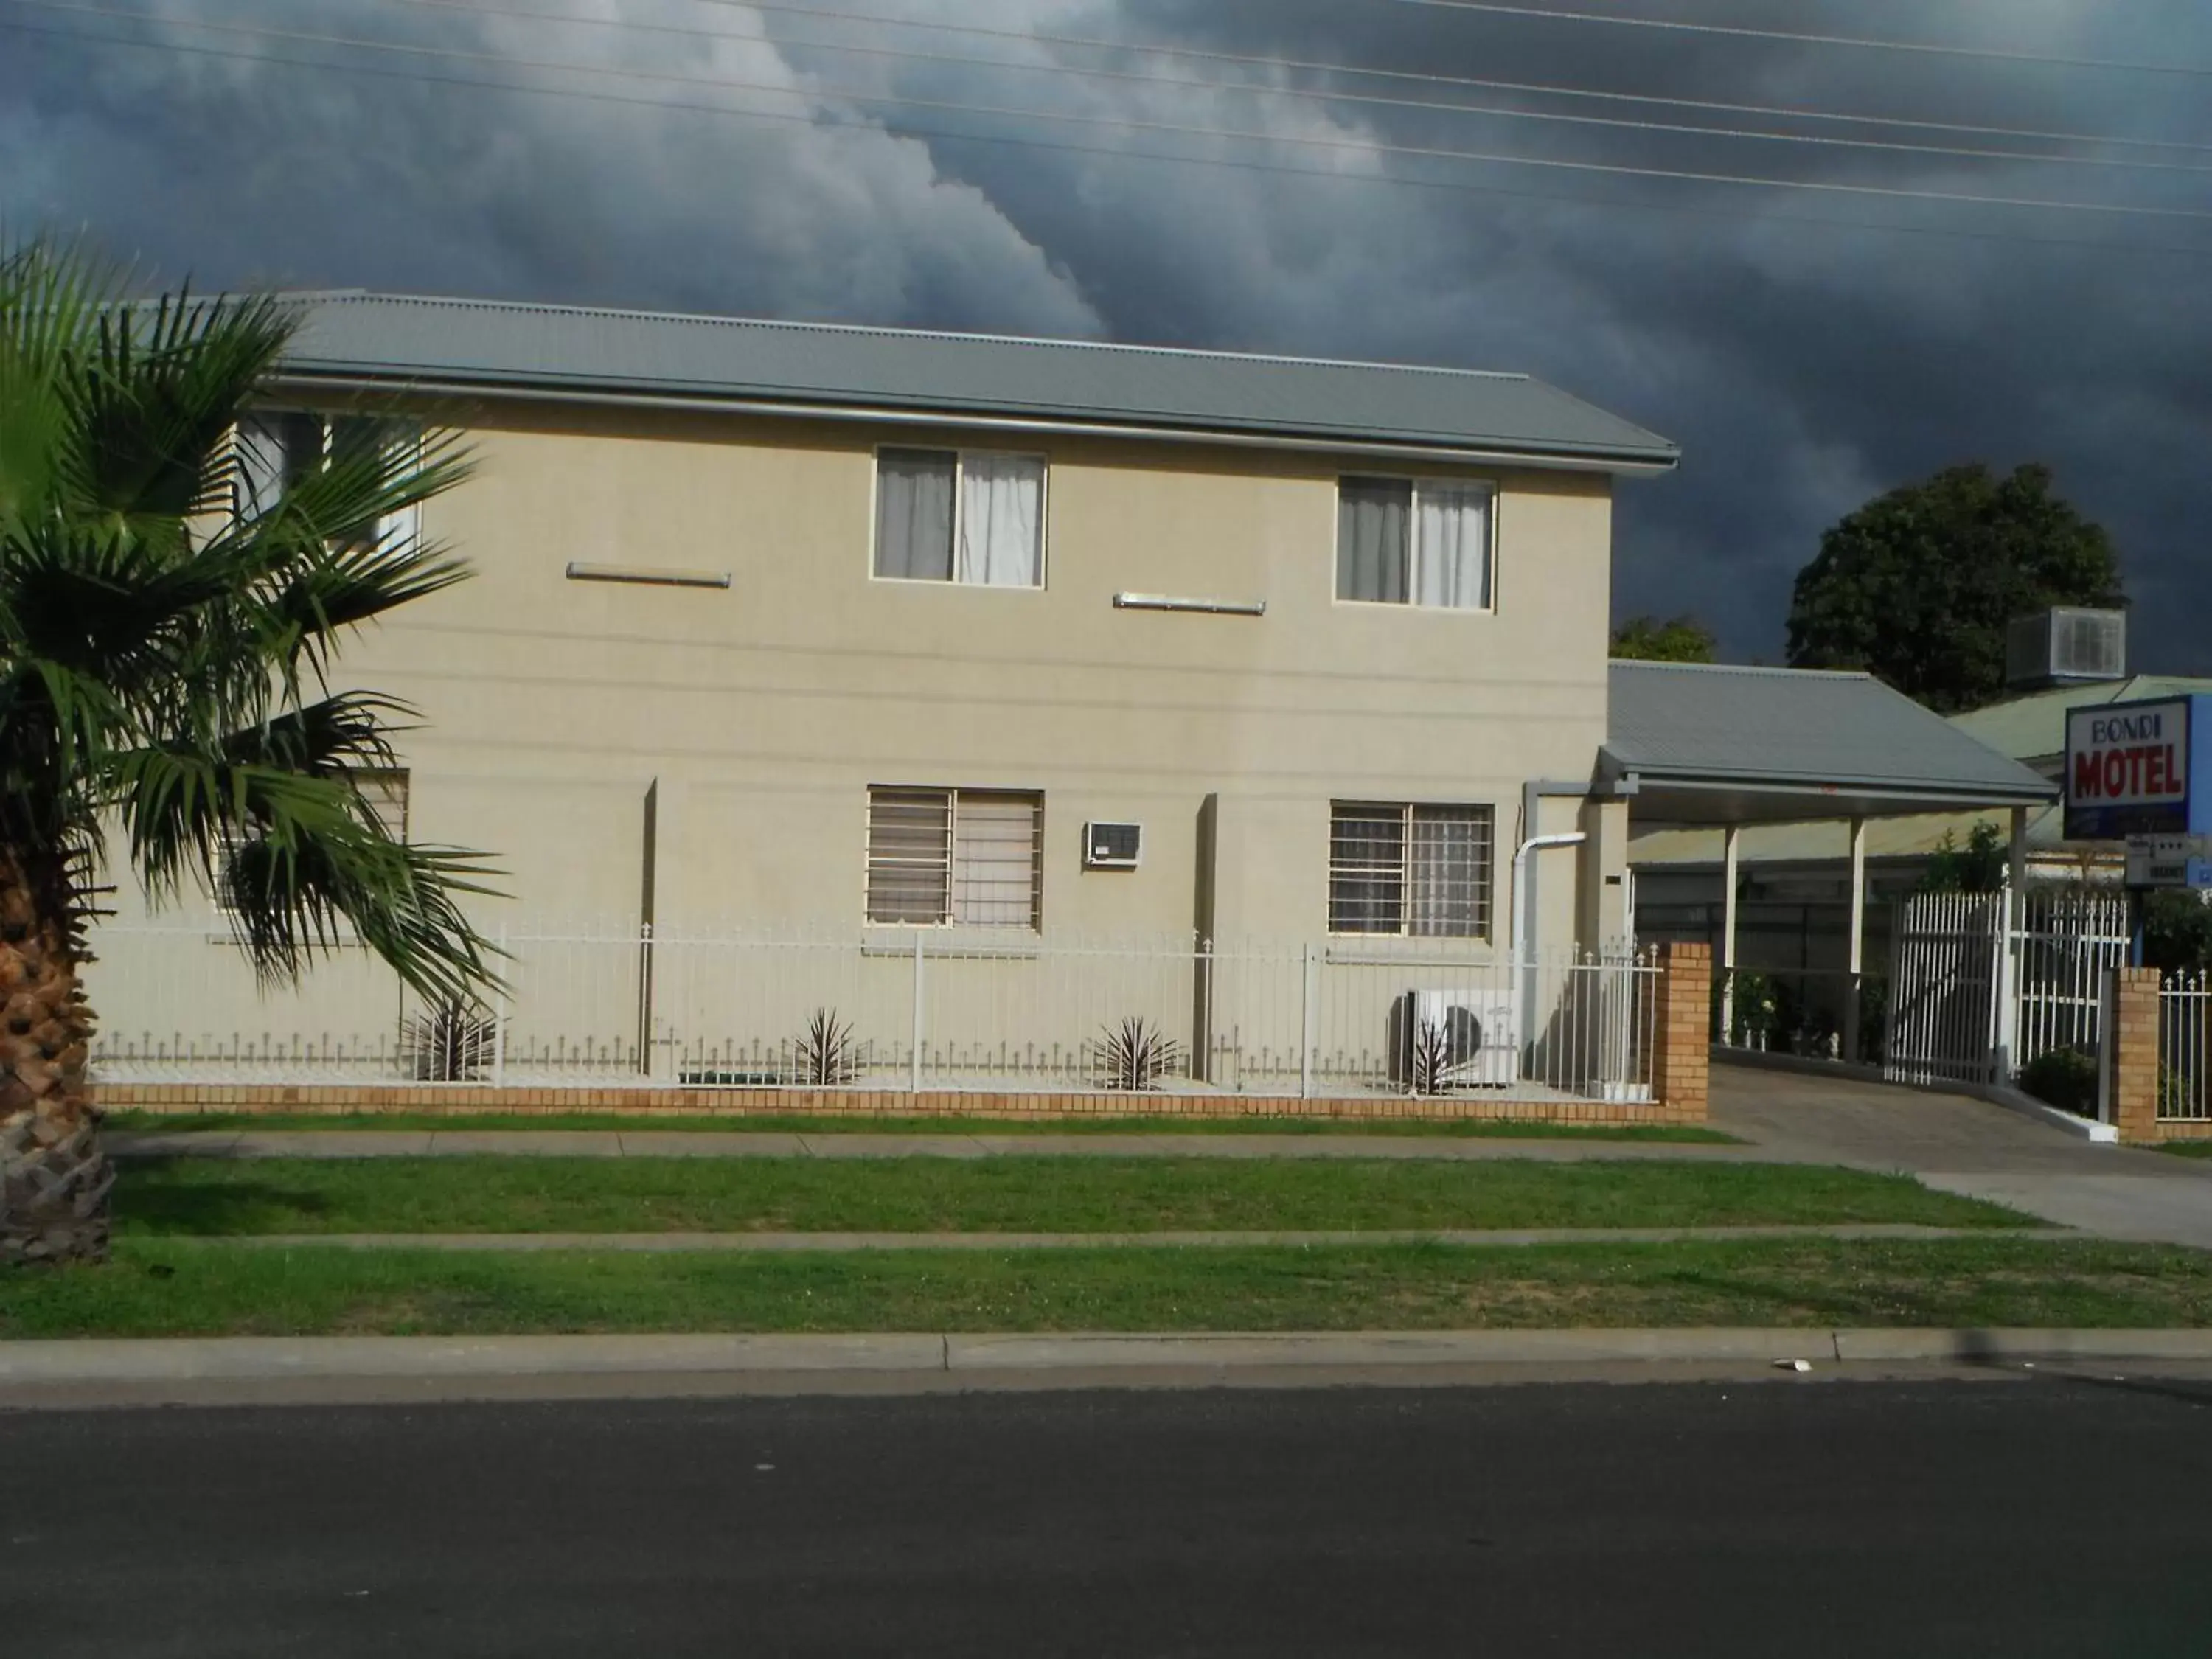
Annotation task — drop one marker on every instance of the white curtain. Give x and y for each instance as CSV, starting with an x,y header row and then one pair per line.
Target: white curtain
x,y
1453,566
913,513
1373,517
1002,521
268,460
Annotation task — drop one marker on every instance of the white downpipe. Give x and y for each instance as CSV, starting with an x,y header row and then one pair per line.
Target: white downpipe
x,y
1524,924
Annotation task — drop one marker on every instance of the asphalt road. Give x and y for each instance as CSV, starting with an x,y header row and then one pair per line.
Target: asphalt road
x,y
1783,1519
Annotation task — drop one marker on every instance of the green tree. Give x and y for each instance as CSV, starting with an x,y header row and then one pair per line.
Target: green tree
x,y
1919,586
167,621
2177,932
1678,639
1979,866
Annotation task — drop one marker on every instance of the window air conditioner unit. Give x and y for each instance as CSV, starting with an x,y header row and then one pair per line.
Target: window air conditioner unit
x,y
1113,845
1481,1031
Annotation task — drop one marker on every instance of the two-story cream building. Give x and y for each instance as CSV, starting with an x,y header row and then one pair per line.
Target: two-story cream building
x,y
871,634
879,622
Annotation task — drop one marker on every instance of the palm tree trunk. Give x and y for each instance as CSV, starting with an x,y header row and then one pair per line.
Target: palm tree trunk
x,y
54,1177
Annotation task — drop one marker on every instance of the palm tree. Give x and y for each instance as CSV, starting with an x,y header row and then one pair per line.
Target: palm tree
x,y
169,612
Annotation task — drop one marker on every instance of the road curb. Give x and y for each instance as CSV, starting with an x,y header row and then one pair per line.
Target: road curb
x,y
47,1364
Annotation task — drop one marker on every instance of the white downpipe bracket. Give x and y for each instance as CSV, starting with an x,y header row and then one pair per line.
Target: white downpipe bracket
x,y
1524,924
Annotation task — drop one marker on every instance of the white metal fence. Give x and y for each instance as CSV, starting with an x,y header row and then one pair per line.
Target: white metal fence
x,y
609,1007
2185,1050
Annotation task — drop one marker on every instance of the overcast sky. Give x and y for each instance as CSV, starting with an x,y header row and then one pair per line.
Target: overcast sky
x,y
1808,348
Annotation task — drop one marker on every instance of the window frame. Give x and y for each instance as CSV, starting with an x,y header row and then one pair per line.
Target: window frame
x,y
1416,481
950,920
407,522
1484,931
960,453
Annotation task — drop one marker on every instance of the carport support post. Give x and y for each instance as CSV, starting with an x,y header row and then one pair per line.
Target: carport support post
x,y
1850,1054
1731,837
2003,1062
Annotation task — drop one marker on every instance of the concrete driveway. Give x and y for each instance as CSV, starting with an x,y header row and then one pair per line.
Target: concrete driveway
x,y
1971,1147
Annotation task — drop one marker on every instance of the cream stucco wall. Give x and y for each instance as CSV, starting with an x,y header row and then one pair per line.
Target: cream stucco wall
x,y
765,711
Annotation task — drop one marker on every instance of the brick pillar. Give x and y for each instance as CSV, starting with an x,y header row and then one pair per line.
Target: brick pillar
x,y
1682,1036
2131,1052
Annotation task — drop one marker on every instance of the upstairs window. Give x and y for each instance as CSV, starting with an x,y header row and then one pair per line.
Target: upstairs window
x,y
1421,542
960,516
963,858
1413,871
278,448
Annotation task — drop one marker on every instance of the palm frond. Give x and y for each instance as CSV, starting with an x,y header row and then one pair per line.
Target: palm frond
x,y
301,860
158,635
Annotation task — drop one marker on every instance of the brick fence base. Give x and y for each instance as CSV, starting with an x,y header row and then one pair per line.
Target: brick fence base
x,y
472,1099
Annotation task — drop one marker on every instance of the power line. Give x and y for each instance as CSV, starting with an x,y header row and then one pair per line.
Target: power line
x,y
909,131
1322,66
471,8
1928,47
1133,124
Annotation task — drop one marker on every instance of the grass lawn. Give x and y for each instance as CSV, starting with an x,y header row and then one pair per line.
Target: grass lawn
x,y
183,1287
793,1123
204,1197
2187,1148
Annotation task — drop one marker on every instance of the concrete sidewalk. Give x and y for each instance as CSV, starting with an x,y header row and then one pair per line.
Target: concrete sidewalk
x,y
73,1374
835,1243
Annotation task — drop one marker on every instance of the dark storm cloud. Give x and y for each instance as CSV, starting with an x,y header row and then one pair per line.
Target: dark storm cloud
x,y
1803,365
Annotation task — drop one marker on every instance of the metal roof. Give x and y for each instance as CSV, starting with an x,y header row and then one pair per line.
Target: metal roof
x,y
1722,744
2034,727
483,345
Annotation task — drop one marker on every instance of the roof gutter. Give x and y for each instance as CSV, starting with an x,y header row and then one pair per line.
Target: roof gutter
x,y
1995,794
1625,466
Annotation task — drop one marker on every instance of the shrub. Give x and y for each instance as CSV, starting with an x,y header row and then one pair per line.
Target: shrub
x,y
450,1041
1432,1059
2065,1077
827,1054
1138,1055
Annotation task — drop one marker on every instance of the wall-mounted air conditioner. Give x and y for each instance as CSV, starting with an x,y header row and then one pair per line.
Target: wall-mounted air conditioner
x,y
1113,845
1480,1032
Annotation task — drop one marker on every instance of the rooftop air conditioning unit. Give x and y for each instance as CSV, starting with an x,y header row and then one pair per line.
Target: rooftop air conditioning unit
x,y
2067,647
1481,1031
1113,845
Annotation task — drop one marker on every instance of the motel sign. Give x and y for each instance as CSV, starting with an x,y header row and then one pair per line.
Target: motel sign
x,y
2130,769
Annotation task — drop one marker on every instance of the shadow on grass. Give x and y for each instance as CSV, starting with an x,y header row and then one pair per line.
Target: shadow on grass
x,y
160,1196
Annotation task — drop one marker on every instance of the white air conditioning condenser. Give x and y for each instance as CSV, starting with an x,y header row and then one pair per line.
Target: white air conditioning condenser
x,y
1481,1033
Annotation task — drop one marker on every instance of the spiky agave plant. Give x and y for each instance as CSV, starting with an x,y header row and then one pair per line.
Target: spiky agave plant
x,y
164,639
1432,1058
1138,1055
827,1054
451,1041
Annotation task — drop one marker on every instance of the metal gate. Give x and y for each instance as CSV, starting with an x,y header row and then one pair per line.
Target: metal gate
x,y
1944,981
2068,941
1949,1021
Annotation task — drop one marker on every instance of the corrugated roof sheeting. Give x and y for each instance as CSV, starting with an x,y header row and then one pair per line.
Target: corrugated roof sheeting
x,y
2034,726
1787,725
496,343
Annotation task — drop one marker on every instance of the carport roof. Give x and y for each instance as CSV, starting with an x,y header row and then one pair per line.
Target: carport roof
x,y
1716,745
